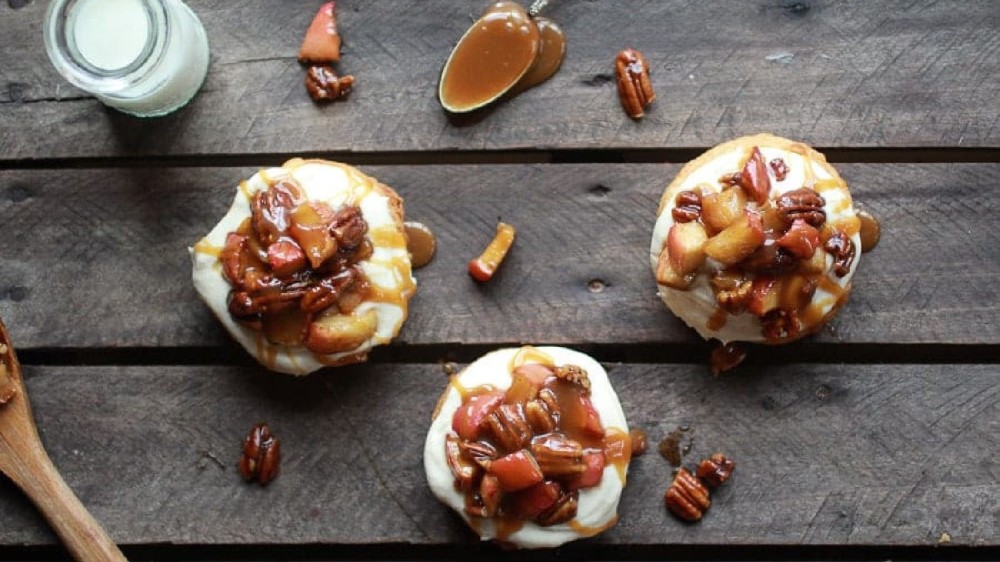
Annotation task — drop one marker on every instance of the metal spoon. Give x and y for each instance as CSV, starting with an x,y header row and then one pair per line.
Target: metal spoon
x,y
24,460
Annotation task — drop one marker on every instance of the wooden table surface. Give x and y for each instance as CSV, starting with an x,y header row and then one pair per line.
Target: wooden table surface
x,y
873,439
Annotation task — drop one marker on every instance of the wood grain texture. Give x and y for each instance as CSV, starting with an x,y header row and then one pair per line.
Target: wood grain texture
x,y
98,258
891,454
835,74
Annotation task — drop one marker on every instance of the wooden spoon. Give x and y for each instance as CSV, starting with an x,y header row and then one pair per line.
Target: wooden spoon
x,y
25,462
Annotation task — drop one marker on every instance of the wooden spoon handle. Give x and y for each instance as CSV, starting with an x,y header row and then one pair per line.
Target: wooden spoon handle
x,y
83,536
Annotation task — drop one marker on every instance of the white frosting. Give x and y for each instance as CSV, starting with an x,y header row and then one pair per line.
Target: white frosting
x,y
598,506
696,305
336,185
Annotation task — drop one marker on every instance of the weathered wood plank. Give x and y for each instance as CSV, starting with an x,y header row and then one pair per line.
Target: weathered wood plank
x,y
98,258
858,454
872,74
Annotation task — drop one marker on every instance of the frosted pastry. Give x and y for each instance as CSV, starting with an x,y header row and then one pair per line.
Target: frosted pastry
x,y
530,447
309,267
756,240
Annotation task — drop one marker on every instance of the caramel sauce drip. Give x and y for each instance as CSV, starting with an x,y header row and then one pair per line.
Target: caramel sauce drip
x,y
489,59
204,247
585,531
529,354
345,360
618,451
420,243
387,237
718,319
871,231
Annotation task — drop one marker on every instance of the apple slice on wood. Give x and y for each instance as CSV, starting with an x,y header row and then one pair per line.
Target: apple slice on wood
x,y
736,241
322,42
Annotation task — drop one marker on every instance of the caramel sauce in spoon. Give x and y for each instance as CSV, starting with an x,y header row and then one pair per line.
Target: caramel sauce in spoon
x,y
506,50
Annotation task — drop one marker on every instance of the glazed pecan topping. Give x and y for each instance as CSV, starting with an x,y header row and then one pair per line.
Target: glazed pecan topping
x,y
575,375
841,247
509,427
687,206
804,204
779,167
732,291
780,324
540,417
564,510
558,455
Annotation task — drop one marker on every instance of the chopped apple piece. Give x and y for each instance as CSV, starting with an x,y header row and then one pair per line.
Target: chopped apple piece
x,y
797,291
286,327
720,210
594,461
516,471
815,264
737,241
665,274
754,178
322,42
310,230
765,295
471,414
801,240
285,258
530,503
336,333
686,246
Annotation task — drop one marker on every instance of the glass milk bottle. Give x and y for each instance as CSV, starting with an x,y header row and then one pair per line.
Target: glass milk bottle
x,y
142,57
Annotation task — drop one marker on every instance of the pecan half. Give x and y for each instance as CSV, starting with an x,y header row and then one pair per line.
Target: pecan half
x,y
508,427
634,88
779,324
687,497
804,204
575,375
687,206
564,510
270,210
261,455
328,290
558,455
324,85
732,291
540,417
465,471
841,247
715,470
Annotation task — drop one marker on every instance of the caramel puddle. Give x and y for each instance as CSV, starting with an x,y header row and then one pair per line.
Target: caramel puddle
x,y
420,242
550,56
871,231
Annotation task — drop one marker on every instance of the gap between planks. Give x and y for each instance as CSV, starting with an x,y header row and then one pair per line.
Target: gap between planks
x,y
525,156
487,553
671,353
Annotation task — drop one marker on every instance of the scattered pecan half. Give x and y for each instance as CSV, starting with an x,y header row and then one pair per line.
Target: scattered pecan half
x,y
804,204
323,84
687,497
841,247
634,88
687,206
715,470
261,455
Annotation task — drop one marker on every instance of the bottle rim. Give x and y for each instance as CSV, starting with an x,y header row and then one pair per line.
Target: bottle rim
x,y
59,35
